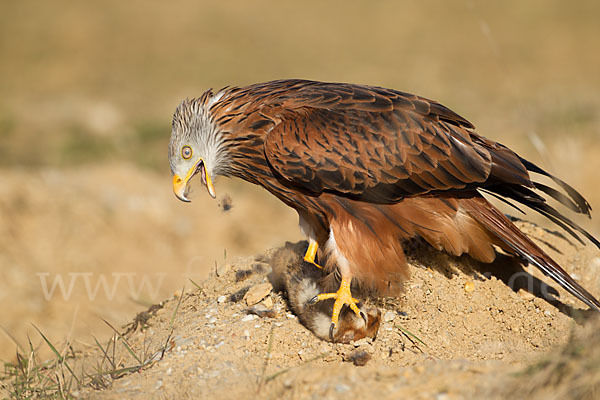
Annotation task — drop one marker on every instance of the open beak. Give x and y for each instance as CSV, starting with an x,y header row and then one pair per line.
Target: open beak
x,y
180,185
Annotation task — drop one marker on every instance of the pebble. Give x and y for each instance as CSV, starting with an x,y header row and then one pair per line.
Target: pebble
x,y
257,293
212,320
389,316
223,269
158,384
267,302
246,334
525,295
169,371
360,342
324,347
341,388
469,286
249,317
221,299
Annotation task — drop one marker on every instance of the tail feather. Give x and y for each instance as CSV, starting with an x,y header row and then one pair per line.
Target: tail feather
x,y
499,225
529,198
582,206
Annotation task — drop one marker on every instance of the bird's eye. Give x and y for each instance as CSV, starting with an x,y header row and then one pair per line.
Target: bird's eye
x,y
186,152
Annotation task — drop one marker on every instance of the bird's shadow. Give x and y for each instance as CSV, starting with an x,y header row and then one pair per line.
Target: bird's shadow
x,y
506,268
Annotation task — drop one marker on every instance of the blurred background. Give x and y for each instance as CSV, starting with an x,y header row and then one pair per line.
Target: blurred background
x,y
87,91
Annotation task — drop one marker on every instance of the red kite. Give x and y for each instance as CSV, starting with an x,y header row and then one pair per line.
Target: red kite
x,y
367,168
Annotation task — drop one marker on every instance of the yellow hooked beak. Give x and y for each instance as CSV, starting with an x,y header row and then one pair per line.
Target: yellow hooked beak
x,y
180,185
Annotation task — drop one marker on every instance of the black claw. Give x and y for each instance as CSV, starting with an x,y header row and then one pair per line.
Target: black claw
x,y
364,317
331,328
314,300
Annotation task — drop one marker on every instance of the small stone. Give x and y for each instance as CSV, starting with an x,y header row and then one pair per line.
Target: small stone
x,y
221,299
389,316
267,302
249,317
359,358
525,295
212,320
158,384
547,313
223,269
246,334
324,347
341,388
257,293
169,371
469,286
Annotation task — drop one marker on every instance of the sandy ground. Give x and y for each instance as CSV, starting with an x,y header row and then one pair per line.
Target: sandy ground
x,y
461,330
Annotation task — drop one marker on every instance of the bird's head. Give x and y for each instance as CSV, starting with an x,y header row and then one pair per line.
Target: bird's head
x,y
196,146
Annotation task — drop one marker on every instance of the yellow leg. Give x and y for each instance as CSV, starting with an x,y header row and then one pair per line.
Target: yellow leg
x,y
342,297
311,253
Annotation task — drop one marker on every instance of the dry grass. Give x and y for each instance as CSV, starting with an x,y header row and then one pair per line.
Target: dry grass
x,y
68,371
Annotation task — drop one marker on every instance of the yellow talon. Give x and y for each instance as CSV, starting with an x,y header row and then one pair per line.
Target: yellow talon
x,y
311,253
342,296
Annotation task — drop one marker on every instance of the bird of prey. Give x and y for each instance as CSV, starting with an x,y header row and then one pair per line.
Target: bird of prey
x,y
368,168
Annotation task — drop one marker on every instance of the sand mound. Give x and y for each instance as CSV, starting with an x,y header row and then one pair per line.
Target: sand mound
x,y
460,330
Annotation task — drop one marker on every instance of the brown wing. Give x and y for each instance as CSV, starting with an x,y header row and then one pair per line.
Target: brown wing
x,y
377,144
381,145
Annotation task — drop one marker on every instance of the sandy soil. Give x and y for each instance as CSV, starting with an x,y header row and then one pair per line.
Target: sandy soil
x,y
461,330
